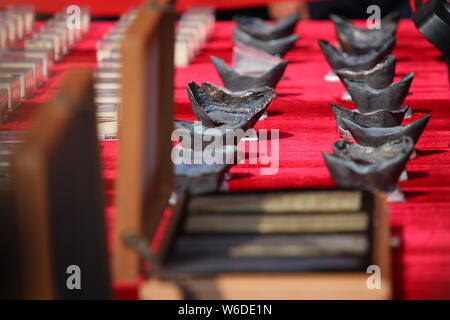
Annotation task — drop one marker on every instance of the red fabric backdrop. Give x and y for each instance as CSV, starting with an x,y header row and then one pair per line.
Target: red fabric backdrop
x,y
302,114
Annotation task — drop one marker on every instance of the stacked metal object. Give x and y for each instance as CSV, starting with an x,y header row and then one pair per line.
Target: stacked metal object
x,y
249,87
27,54
107,76
383,146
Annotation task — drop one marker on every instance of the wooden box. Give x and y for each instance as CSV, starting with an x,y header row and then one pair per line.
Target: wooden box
x,y
166,283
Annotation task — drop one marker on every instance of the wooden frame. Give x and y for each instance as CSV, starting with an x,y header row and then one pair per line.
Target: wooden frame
x,y
287,286
58,197
145,178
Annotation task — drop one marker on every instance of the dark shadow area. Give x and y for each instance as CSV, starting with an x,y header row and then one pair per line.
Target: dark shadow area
x,y
295,61
417,174
281,135
401,74
257,12
274,113
429,152
289,94
320,10
421,110
239,176
412,194
356,9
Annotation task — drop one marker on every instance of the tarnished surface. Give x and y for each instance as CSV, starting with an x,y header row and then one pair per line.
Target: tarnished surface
x,y
354,40
215,107
261,30
235,81
378,136
382,174
381,118
338,59
378,77
277,47
368,99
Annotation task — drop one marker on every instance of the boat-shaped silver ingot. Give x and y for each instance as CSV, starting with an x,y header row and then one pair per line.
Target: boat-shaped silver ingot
x,y
215,107
277,47
380,175
378,77
200,137
359,40
261,30
369,155
368,99
253,62
338,59
354,40
202,175
236,81
381,118
376,136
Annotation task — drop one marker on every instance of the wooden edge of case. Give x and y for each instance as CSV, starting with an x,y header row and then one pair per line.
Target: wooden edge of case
x,y
292,286
30,187
145,172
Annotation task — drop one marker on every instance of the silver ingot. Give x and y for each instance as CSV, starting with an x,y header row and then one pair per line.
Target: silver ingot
x,y
338,59
368,99
261,30
227,134
251,61
277,47
378,77
198,176
235,81
374,137
381,118
368,155
215,107
354,40
380,172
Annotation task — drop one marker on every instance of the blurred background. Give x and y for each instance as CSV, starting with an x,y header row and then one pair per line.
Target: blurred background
x,y
320,9
267,9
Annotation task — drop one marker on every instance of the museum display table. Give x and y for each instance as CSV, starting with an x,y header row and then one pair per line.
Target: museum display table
x,y
306,125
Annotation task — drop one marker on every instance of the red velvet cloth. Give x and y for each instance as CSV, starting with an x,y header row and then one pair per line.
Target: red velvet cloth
x,y
307,127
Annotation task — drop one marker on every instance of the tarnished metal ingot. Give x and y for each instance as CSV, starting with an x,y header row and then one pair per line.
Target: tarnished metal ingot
x,y
277,47
215,107
261,30
378,168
